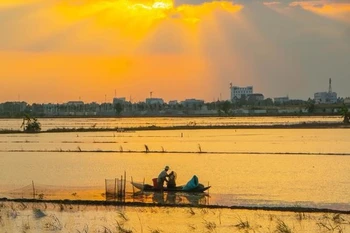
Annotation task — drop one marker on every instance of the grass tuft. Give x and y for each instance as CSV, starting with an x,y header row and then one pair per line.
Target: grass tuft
x,y
211,226
282,227
191,211
242,224
121,229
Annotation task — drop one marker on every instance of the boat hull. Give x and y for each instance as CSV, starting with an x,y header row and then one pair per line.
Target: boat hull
x,y
150,188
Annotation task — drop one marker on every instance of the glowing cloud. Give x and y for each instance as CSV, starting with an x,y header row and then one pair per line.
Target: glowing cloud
x,y
340,11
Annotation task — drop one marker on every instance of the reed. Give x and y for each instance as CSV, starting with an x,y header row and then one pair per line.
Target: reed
x,y
199,148
191,211
85,229
242,224
282,227
146,148
156,231
123,216
332,223
121,229
211,226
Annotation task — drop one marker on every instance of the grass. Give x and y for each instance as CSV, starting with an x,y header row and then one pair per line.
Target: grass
x,y
127,220
155,231
242,224
282,227
333,223
85,229
211,226
54,225
191,211
123,216
121,229
184,127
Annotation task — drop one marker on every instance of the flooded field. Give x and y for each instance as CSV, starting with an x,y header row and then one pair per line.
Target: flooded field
x,y
245,167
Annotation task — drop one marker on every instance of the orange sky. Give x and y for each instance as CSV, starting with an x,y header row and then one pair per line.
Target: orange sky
x,y
61,50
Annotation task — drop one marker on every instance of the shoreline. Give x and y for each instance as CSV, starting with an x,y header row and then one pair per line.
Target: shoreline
x,y
304,125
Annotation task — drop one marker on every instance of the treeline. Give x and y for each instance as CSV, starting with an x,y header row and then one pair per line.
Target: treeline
x,y
216,108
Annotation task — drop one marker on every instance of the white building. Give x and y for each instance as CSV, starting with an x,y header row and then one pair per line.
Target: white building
x,y
326,97
238,92
347,101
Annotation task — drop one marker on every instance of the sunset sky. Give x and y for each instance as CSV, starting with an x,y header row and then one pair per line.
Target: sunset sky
x,y
60,50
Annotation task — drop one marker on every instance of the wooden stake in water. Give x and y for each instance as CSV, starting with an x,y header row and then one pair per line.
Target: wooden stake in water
x,y
133,187
33,189
106,188
115,188
124,185
143,184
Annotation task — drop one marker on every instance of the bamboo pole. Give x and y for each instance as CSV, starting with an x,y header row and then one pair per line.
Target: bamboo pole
x,y
124,185
143,184
33,189
208,194
133,187
117,193
121,186
115,188
106,192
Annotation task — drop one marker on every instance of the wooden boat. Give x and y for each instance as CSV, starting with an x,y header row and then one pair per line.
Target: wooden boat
x,y
149,188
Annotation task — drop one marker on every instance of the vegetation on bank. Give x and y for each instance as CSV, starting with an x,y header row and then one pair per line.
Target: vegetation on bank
x,y
32,125
313,125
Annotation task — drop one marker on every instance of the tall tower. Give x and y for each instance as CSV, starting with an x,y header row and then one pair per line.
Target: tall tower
x,y
330,86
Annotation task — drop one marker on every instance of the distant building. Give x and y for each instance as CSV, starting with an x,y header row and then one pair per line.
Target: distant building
x,y
255,97
192,103
238,92
51,109
173,102
154,101
281,100
75,103
119,100
347,101
326,97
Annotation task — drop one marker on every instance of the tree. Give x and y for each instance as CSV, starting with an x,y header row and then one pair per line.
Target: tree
x,y
310,107
225,106
30,125
344,111
118,108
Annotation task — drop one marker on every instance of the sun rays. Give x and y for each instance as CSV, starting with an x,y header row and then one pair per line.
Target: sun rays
x,y
195,46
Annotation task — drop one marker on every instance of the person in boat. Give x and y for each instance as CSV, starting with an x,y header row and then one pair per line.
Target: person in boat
x,y
172,180
163,175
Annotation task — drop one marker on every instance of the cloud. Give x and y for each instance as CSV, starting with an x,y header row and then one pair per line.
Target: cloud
x,y
198,47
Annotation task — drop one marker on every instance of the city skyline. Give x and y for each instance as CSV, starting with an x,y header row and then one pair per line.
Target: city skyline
x,y
57,51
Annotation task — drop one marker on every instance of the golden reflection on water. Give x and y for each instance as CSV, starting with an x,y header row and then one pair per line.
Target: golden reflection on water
x,y
255,166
